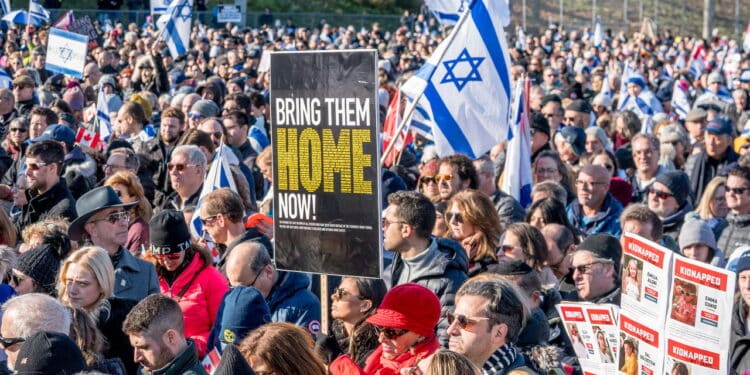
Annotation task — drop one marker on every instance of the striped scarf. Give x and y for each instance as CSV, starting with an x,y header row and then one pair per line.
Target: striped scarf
x,y
500,360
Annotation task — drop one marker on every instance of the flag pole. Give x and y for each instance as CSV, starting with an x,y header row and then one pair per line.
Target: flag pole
x,y
410,109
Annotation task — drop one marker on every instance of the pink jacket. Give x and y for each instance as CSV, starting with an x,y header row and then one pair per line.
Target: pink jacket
x,y
200,301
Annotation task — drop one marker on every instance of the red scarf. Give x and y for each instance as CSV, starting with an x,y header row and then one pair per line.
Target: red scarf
x,y
377,365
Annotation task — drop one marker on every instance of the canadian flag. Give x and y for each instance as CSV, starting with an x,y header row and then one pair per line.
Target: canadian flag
x,y
87,138
390,126
211,362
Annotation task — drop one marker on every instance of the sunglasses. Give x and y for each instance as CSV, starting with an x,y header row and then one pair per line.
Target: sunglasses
x,y
390,333
444,177
584,268
19,130
738,190
205,221
36,166
507,248
15,279
7,342
466,323
178,167
115,217
424,180
660,194
217,134
175,256
195,115
341,293
449,216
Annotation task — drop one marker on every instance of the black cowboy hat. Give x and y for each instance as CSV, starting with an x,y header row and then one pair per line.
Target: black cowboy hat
x,y
92,202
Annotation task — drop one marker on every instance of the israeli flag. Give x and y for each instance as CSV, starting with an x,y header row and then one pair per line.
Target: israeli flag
x,y
5,5
219,176
598,34
37,11
606,91
6,81
102,117
627,71
517,173
175,26
680,102
447,12
464,88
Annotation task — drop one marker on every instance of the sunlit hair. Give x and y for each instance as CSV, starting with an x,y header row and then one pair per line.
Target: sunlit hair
x,y
478,211
532,242
286,348
704,205
96,261
134,188
448,362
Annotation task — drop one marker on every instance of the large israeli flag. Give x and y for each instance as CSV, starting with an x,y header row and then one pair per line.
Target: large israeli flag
x,y
219,176
175,26
598,34
464,88
680,102
37,11
517,172
447,12
102,117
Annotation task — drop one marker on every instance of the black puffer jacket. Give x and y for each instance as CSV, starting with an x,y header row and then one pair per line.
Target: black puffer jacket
x,y
57,201
444,276
735,235
740,344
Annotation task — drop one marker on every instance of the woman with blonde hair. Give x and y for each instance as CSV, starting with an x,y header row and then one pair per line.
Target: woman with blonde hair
x,y
281,349
448,362
87,281
712,207
473,221
129,189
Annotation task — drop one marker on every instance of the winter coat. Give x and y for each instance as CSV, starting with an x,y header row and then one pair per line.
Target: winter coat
x,y
508,208
362,342
138,235
735,235
135,278
57,201
607,220
250,234
740,342
291,301
444,276
159,83
377,365
199,290
111,314
79,171
186,363
701,169
673,223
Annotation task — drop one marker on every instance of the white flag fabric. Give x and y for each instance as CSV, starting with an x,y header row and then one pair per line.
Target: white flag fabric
x,y
37,11
680,102
102,117
5,5
447,12
219,176
598,34
517,172
464,87
176,26
6,81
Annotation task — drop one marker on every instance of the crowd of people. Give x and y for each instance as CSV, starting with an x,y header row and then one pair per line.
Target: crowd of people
x,y
101,273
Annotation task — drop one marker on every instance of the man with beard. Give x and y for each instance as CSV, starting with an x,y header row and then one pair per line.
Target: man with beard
x,y
103,222
172,127
156,330
716,155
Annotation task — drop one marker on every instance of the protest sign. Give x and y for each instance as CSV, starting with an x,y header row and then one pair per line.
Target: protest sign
x,y
592,330
700,316
229,13
326,175
66,52
84,26
159,6
645,298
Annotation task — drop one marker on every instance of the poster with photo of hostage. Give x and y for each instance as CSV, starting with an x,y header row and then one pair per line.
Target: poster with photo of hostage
x,y
326,170
593,331
644,271
700,315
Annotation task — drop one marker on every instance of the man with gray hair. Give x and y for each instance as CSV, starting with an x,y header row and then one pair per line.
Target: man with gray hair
x,y
488,317
25,315
547,189
595,265
187,170
508,208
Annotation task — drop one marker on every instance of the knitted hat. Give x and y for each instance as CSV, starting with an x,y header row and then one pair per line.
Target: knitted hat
x,y
603,246
637,80
107,79
678,184
715,77
741,264
232,362
576,137
42,263
408,306
696,232
49,353
243,310
147,110
74,97
539,123
207,108
169,233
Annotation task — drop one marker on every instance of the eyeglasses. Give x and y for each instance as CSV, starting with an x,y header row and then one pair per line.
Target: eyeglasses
x,y
387,222
738,190
466,323
206,221
444,177
546,171
391,333
645,152
115,217
114,167
174,256
584,268
589,184
7,342
569,119
228,109
36,166
660,194
178,167
449,216
217,134
507,248
424,180
19,130
195,115
341,293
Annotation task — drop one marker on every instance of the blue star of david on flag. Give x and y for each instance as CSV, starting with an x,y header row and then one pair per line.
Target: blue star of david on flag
x,y
463,59
184,11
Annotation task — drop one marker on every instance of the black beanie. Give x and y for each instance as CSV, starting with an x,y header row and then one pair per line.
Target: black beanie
x,y
678,183
169,233
49,353
603,246
233,363
42,263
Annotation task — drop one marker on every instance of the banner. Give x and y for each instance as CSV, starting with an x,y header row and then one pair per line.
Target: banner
x,y
229,13
700,317
645,298
326,170
159,6
592,330
66,52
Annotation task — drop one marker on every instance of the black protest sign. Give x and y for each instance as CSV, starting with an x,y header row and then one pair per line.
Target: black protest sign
x,y
83,25
326,162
